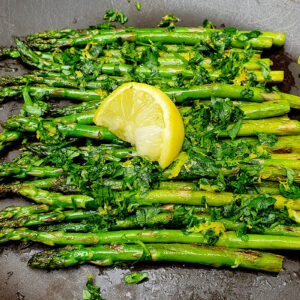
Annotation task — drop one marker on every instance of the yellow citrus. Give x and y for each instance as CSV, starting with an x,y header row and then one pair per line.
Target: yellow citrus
x,y
145,117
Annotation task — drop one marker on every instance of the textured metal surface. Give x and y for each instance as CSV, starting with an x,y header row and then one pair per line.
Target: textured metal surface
x,y
167,281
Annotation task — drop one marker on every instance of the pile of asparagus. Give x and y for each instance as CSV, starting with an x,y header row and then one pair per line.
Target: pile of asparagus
x,y
233,190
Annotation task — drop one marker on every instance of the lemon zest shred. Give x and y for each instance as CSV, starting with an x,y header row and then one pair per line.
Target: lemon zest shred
x,y
252,156
127,163
85,52
101,93
181,160
56,51
218,227
241,78
79,74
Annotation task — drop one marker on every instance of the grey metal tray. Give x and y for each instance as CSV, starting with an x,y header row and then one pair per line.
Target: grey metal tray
x,y
167,281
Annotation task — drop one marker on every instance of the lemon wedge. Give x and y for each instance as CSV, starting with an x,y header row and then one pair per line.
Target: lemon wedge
x,y
146,117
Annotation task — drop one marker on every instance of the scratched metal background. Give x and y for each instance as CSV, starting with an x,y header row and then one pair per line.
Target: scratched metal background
x,y
167,281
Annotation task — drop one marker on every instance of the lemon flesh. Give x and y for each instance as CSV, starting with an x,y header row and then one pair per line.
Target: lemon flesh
x,y
145,117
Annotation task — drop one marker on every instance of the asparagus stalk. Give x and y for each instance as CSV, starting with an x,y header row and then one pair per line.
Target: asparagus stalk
x,y
186,38
57,199
69,227
179,95
262,110
284,144
62,111
11,169
166,59
56,184
172,50
112,152
26,216
53,92
230,91
169,59
8,137
196,198
265,187
251,111
249,128
108,255
60,81
46,218
152,197
59,183
228,240
292,164
23,211
32,124
191,169
275,126
278,38
11,52
166,217
285,156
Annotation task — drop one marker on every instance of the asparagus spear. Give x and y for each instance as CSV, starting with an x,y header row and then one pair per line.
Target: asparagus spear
x,y
46,218
196,198
172,51
152,197
33,124
186,38
166,216
11,169
251,111
164,59
230,91
60,81
169,59
53,92
228,240
57,199
284,144
62,111
108,255
69,227
11,52
278,38
153,216
179,95
265,187
248,128
23,211
275,126
8,137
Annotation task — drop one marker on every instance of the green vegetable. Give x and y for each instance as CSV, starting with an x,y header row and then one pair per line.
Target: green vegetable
x,y
136,277
115,16
92,292
138,5
109,255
